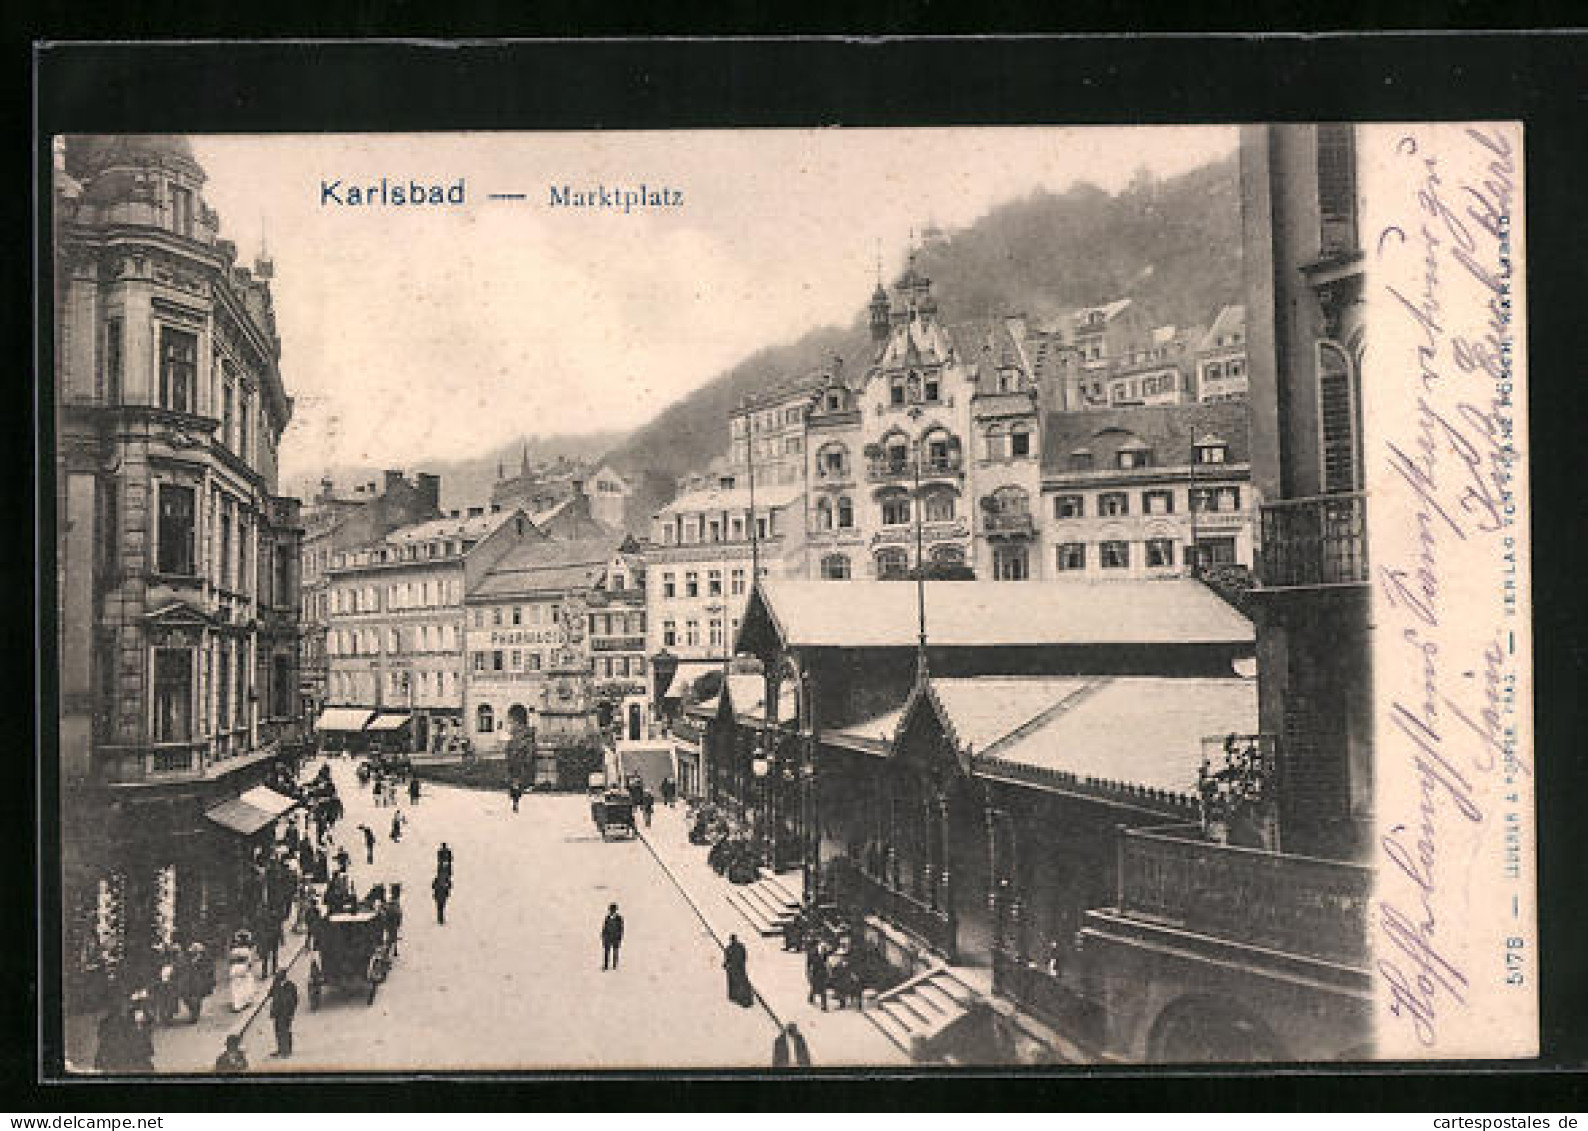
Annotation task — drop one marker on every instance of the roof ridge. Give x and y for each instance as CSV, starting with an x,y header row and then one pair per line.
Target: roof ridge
x,y
1047,714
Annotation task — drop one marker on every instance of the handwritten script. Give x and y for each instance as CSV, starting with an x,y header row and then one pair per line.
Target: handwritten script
x,y
1443,261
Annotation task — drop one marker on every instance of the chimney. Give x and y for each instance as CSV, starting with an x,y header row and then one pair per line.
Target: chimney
x,y
429,487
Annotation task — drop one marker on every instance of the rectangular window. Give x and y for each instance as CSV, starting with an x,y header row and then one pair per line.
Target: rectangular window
x,y
1216,551
716,632
1157,502
737,582
1019,443
1011,564
691,584
533,661
223,686
181,210
669,588
1114,555
113,348
714,583
1228,499
1069,506
178,368
1160,552
479,661
1071,556
173,694
518,614
1081,461
496,617
670,633
1113,504
496,660
176,530
692,633
518,660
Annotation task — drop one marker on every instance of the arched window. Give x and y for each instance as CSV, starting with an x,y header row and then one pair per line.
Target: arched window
x,y
1011,500
896,451
824,514
941,450
835,567
846,512
937,506
892,565
832,462
1338,427
484,719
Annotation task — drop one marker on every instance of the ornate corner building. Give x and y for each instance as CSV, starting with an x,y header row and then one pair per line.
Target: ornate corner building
x,y
177,561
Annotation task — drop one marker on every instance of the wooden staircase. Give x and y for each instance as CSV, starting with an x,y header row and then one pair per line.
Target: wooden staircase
x,y
770,902
917,1012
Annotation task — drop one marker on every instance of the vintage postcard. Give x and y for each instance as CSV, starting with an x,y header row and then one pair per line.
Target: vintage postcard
x,y
758,599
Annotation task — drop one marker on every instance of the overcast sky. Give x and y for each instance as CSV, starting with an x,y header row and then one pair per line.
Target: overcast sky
x,y
413,334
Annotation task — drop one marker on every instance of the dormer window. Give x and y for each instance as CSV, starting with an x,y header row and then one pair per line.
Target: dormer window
x,y
1133,454
181,210
896,391
834,401
1212,450
1081,460
931,389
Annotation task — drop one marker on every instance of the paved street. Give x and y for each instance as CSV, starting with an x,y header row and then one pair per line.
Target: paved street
x,y
513,979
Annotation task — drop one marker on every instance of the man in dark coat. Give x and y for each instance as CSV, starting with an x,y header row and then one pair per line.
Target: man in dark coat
x,y
790,1046
734,959
444,859
816,974
283,1007
196,979
267,939
413,791
369,843
515,791
441,888
611,937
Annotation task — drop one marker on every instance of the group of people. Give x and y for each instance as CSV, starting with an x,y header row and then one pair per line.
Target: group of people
x,y
179,979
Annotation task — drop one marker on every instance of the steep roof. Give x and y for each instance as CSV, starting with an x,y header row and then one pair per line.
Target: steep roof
x,y
734,498
1109,311
476,527
1166,429
543,566
882,614
1231,320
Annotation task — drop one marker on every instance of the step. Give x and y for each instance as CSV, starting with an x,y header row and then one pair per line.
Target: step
x,y
752,914
757,895
938,995
891,1028
790,884
912,1009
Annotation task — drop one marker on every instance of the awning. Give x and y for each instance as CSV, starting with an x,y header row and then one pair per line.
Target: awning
x,y
248,814
343,718
389,722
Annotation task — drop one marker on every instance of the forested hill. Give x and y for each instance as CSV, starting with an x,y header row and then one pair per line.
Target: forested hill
x,y
1172,245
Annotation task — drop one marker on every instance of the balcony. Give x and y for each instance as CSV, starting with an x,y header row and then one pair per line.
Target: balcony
x,y
1314,542
1299,905
1019,525
903,471
173,762
617,643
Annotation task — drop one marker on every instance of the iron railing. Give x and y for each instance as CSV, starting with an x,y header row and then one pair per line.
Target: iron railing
x,y
1314,541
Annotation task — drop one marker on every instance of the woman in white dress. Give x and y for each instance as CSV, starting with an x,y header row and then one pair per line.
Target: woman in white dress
x,y
240,965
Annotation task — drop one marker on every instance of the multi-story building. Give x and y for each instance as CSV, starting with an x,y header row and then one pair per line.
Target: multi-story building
x,y
768,431
528,642
1159,370
698,567
1260,951
337,522
617,626
395,643
177,605
1146,492
1221,358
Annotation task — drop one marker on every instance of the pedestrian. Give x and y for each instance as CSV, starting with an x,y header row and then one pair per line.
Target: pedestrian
x,y
790,1046
369,843
283,1006
393,910
441,888
397,826
114,1051
733,961
647,804
342,857
267,941
197,980
669,791
444,859
240,969
232,1059
611,937
816,974
413,791
515,791
168,964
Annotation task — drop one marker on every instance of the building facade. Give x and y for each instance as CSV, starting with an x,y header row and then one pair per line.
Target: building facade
x,y
177,561
705,546
1146,492
338,522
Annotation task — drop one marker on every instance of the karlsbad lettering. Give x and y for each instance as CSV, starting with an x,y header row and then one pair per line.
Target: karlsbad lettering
x,y
392,194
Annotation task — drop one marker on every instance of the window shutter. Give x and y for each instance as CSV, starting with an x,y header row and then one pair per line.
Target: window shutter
x,y
1336,421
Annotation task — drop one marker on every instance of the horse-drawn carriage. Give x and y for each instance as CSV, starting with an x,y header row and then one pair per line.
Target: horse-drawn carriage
x,y
613,813
351,951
